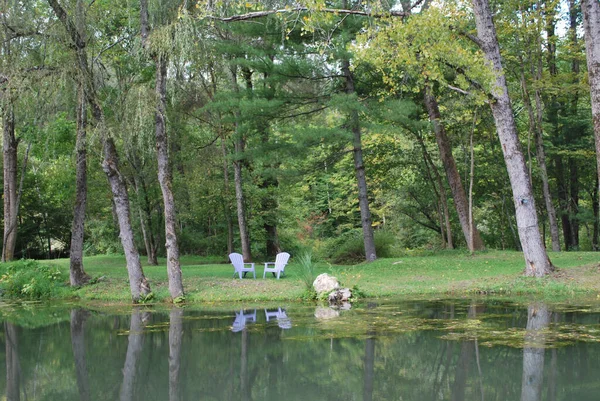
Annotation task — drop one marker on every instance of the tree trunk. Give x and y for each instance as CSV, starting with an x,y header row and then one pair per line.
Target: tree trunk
x,y
239,146
535,127
137,281
595,208
77,274
538,319
145,214
359,168
227,205
537,262
165,179
10,146
78,317
591,27
458,193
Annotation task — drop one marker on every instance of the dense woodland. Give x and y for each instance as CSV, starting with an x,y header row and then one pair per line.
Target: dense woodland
x,y
357,129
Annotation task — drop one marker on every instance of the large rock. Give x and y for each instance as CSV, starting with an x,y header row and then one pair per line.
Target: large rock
x,y
325,283
340,296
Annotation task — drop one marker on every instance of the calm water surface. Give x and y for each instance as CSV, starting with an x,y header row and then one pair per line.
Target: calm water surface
x,y
442,350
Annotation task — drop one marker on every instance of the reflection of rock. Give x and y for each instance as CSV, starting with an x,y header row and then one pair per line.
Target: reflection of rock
x,y
326,313
325,283
340,296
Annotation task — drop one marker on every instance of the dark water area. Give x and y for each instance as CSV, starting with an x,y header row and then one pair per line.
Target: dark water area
x,y
417,350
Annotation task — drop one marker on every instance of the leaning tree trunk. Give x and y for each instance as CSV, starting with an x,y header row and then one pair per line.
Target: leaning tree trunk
x,y
537,262
359,168
10,146
77,274
458,193
137,281
591,27
175,340
165,179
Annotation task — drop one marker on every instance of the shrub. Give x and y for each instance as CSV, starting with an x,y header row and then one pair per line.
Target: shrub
x,y
351,249
28,279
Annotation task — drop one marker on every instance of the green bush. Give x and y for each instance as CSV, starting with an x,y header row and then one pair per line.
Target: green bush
x,y
28,279
350,248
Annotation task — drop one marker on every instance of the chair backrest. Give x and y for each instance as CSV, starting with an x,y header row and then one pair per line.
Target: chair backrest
x,y
237,260
281,260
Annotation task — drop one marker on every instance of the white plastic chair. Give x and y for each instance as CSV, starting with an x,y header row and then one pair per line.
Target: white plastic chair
x,y
237,261
278,266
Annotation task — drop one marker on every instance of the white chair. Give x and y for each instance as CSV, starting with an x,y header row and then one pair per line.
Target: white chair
x,y
237,261
278,266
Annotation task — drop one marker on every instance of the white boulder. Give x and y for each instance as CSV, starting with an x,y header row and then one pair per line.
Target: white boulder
x,y
325,283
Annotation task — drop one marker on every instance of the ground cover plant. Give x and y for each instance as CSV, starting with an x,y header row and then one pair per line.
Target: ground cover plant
x,y
435,274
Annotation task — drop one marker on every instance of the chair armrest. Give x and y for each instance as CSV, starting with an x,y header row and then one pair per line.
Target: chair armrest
x,y
269,263
251,264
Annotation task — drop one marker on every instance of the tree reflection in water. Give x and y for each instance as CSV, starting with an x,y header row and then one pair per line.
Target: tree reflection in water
x,y
538,319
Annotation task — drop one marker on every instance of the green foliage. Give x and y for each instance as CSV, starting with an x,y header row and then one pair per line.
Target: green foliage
x,y
29,279
350,248
307,269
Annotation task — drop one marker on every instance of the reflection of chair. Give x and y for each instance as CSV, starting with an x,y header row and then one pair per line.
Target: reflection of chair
x,y
283,320
278,266
241,319
237,261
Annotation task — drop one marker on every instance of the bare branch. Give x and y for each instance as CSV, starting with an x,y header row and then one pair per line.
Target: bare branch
x,y
260,14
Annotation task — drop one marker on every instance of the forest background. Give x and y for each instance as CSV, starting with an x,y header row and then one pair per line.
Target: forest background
x,y
290,127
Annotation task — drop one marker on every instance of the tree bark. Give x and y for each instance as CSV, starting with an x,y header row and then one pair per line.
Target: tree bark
x,y
165,180
226,204
591,27
458,193
10,146
537,262
77,274
165,176
535,127
239,146
359,168
137,281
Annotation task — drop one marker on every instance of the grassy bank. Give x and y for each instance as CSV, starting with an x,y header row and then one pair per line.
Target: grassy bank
x,y
433,275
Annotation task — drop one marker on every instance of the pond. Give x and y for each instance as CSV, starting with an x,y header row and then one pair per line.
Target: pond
x,y
410,350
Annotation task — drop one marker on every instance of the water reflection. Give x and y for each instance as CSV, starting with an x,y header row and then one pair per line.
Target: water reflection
x,y
241,319
13,367
377,352
280,315
538,320
78,318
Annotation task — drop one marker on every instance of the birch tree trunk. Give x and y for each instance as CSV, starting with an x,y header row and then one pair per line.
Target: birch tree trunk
x,y
458,193
591,27
537,262
359,168
137,281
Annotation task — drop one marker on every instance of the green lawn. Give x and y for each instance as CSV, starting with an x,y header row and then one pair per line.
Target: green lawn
x,y
448,273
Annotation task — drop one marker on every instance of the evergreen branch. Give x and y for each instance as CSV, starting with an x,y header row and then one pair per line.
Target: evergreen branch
x,y
305,113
